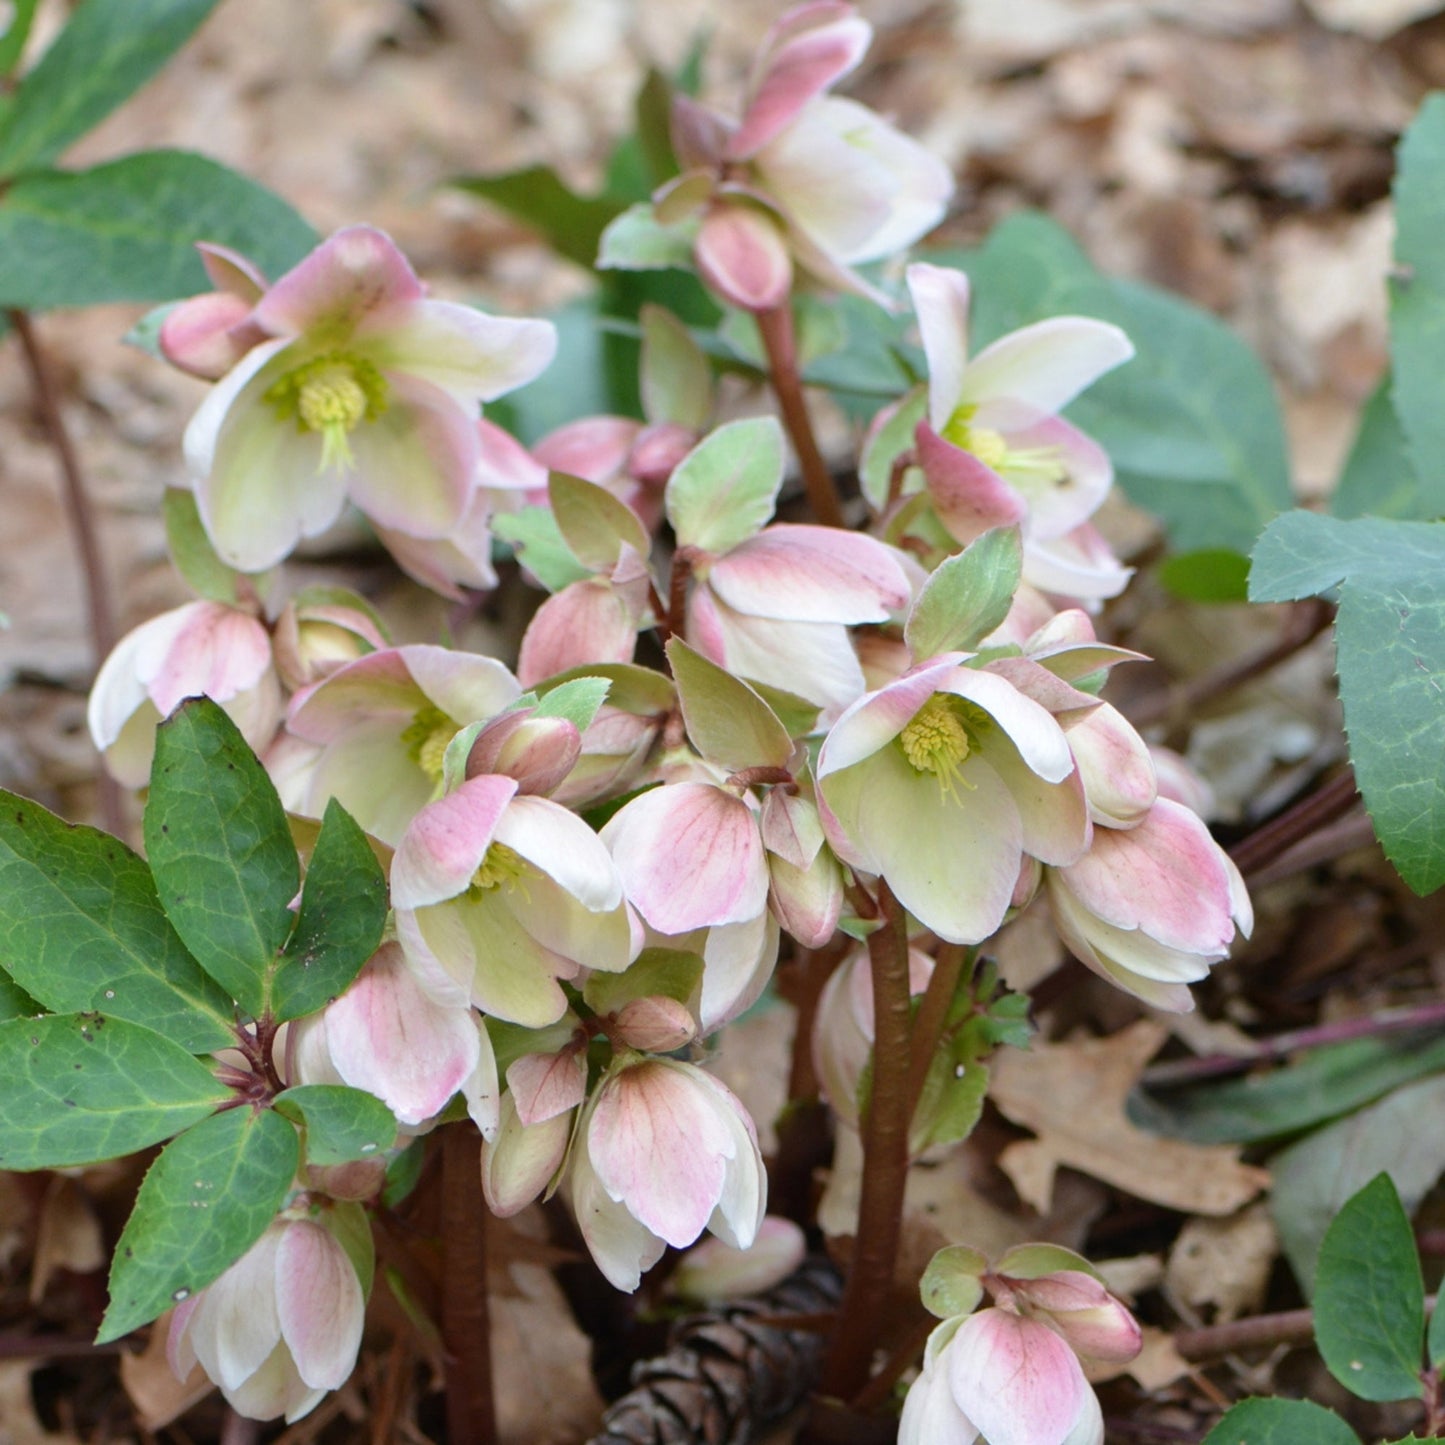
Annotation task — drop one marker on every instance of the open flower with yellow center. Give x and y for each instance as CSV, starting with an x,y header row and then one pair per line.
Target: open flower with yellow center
x,y
940,783
354,387
499,895
994,449
373,733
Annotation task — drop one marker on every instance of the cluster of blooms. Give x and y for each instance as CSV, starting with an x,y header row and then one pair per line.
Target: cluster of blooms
x,y
828,713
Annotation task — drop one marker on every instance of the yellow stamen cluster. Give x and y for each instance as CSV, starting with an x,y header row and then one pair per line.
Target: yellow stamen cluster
x,y
1042,464
426,738
501,866
936,741
333,395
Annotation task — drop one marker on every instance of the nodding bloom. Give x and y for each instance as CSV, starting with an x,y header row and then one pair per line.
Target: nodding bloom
x,y
279,1328
358,388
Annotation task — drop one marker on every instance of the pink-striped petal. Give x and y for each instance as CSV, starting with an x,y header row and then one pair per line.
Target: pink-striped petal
x,y
447,840
320,1304
1116,767
969,497
558,843
350,276
196,334
586,622
595,448
545,1085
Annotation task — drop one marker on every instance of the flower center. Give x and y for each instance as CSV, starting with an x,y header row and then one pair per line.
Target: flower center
x,y
333,395
936,741
426,739
501,866
1036,464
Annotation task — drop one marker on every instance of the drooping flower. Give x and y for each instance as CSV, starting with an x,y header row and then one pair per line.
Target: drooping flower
x,y
279,1328
201,648
363,390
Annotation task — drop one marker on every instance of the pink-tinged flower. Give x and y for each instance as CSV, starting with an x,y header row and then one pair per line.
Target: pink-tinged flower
x,y
500,895
387,1035
805,880
941,783
994,450
1151,908
461,559
631,459
321,631
279,1328
363,390
522,1161
665,1151
208,334
373,734
202,648
713,1270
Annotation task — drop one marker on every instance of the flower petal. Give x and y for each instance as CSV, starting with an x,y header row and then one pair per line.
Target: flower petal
x,y
348,277
940,301
622,1246
741,254
447,841
1047,364
969,497
586,622
320,1304
236,1326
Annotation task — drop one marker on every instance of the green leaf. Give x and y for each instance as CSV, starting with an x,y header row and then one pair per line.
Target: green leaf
x,y
15,1003
724,490
656,973
126,231
1417,300
107,51
532,533
82,1088
1378,478
1212,575
191,550
343,912
594,524
637,241
676,377
886,444
951,1284
634,689
728,722
1323,1084
205,1201
576,701
342,1124
220,849
81,928
1281,1422
1435,1338
1390,650
653,110
12,42
537,196
967,596
1370,1297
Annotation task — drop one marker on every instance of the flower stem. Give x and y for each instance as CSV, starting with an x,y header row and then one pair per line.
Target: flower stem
x,y
780,343
471,1406
933,1015
1282,832
885,1160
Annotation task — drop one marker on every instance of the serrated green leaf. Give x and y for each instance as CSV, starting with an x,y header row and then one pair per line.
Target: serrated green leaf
x,y
571,224
80,1088
724,490
594,524
81,928
728,722
343,912
1369,1299
107,51
533,534
676,377
1378,479
1322,1084
951,1284
1212,575
220,849
191,550
966,596
576,701
1390,652
342,1124
1281,1422
1417,301
126,231
205,1201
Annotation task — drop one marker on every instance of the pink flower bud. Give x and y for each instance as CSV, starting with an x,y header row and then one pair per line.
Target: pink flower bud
x,y
653,1025
538,752
742,255
522,1159
313,639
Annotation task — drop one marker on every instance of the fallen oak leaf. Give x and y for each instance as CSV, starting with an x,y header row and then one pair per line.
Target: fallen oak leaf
x,y
1073,1095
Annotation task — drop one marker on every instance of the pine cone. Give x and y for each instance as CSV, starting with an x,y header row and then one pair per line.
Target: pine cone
x,y
728,1372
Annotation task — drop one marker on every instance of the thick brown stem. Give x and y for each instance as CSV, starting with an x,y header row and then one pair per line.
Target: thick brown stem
x,y
885,1160
1290,1327
471,1407
780,343
82,529
238,1430
1322,806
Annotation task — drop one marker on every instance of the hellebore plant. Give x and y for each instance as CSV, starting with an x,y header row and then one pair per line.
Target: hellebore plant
x,y
512,902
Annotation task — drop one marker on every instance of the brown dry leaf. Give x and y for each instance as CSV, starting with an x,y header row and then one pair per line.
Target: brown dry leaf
x,y
67,1235
19,1424
1224,1262
1072,1096
156,1394
1158,1363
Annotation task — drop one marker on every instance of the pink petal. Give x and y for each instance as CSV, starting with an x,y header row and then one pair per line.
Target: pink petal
x,y
1057,507
970,498
878,718
586,622
741,254
545,1085
738,962
385,1035
195,334
690,856
811,574
559,844
622,1247
1094,1324
797,68
505,464
1048,364
1116,766
232,272
463,558
447,840
940,301
319,1300
355,273
1080,565
463,685
595,448
218,651
1032,730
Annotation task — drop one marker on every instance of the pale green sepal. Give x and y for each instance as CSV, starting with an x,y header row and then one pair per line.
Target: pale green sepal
x,y
967,596
350,1227
724,490
191,550
676,378
1033,1261
657,973
797,714
534,536
593,523
887,444
950,1285
577,701
635,689
454,760
728,722
637,241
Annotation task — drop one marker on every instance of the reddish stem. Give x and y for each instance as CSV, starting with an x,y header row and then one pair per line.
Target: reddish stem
x,y
780,343
1281,833
932,1016
471,1406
